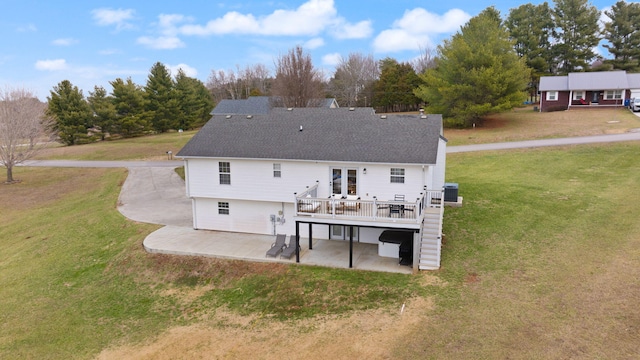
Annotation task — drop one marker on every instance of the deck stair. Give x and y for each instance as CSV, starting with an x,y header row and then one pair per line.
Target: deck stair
x,y
431,239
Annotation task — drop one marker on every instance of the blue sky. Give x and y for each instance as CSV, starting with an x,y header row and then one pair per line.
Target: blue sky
x,y
93,42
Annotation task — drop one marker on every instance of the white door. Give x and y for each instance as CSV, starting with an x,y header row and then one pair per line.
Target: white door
x,y
340,232
344,181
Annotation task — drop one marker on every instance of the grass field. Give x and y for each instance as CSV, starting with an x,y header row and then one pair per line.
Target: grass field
x,y
540,262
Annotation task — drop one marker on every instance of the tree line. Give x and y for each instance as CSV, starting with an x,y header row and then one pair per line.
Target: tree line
x,y
130,110
491,64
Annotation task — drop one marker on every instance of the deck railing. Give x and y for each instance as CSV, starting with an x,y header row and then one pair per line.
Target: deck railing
x,y
307,203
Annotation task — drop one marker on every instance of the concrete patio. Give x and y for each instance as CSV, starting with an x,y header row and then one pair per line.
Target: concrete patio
x,y
179,240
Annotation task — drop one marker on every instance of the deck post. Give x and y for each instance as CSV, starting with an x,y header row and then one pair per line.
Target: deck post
x,y
350,247
297,241
310,236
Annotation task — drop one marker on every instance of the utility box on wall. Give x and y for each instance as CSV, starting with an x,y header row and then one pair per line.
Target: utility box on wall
x,y
451,192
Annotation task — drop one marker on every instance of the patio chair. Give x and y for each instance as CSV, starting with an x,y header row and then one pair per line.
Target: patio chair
x,y
277,246
396,209
290,249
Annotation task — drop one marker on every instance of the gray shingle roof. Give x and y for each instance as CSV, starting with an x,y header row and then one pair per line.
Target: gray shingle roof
x,y
339,134
553,83
605,80
252,105
634,81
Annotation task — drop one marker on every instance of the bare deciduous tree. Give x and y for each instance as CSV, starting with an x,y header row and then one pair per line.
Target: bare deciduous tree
x,y
22,123
426,60
352,80
297,83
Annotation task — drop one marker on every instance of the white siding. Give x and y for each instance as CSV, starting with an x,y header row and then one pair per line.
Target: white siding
x,y
251,217
439,169
253,180
254,194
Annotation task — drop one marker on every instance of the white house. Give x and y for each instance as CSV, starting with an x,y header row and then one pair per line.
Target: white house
x,y
323,173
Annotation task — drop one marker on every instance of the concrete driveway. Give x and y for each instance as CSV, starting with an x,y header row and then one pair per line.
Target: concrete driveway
x,y
155,195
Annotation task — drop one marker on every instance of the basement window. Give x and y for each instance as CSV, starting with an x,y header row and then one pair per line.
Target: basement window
x,y
223,208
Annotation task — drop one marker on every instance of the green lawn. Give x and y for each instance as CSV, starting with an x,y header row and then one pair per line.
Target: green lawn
x,y
536,264
540,262
74,278
542,259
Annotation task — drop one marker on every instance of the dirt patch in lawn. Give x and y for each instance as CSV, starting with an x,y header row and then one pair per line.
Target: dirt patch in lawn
x,y
370,334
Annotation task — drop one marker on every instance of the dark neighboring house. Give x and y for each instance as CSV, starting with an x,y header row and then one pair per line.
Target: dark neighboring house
x,y
588,90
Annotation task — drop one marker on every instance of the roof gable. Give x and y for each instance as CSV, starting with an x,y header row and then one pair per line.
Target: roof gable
x,y
320,134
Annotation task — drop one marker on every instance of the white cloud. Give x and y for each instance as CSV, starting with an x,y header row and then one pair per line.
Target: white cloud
x,y
161,42
417,27
51,65
117,17
604,18
314,43
332,59
188,70
27,28
168,31
360,30
310,18
64,42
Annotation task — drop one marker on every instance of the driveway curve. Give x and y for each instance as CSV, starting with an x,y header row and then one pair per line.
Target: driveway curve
x,y
155,195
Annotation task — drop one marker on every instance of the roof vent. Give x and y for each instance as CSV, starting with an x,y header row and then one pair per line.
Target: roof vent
x,y
289,109
249,116
300,128
351,109
423,116
228,116
383,116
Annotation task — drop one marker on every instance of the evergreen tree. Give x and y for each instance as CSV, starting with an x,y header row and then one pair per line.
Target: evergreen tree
x,y
130,104
530,27
576,34
70,111
623,35
477,73
394,90
104,112
161,100
194,101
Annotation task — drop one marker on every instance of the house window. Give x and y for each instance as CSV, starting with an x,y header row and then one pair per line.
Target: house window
x,y
397,175
577,95
277,172
552,95
224,168
223,208
613,94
